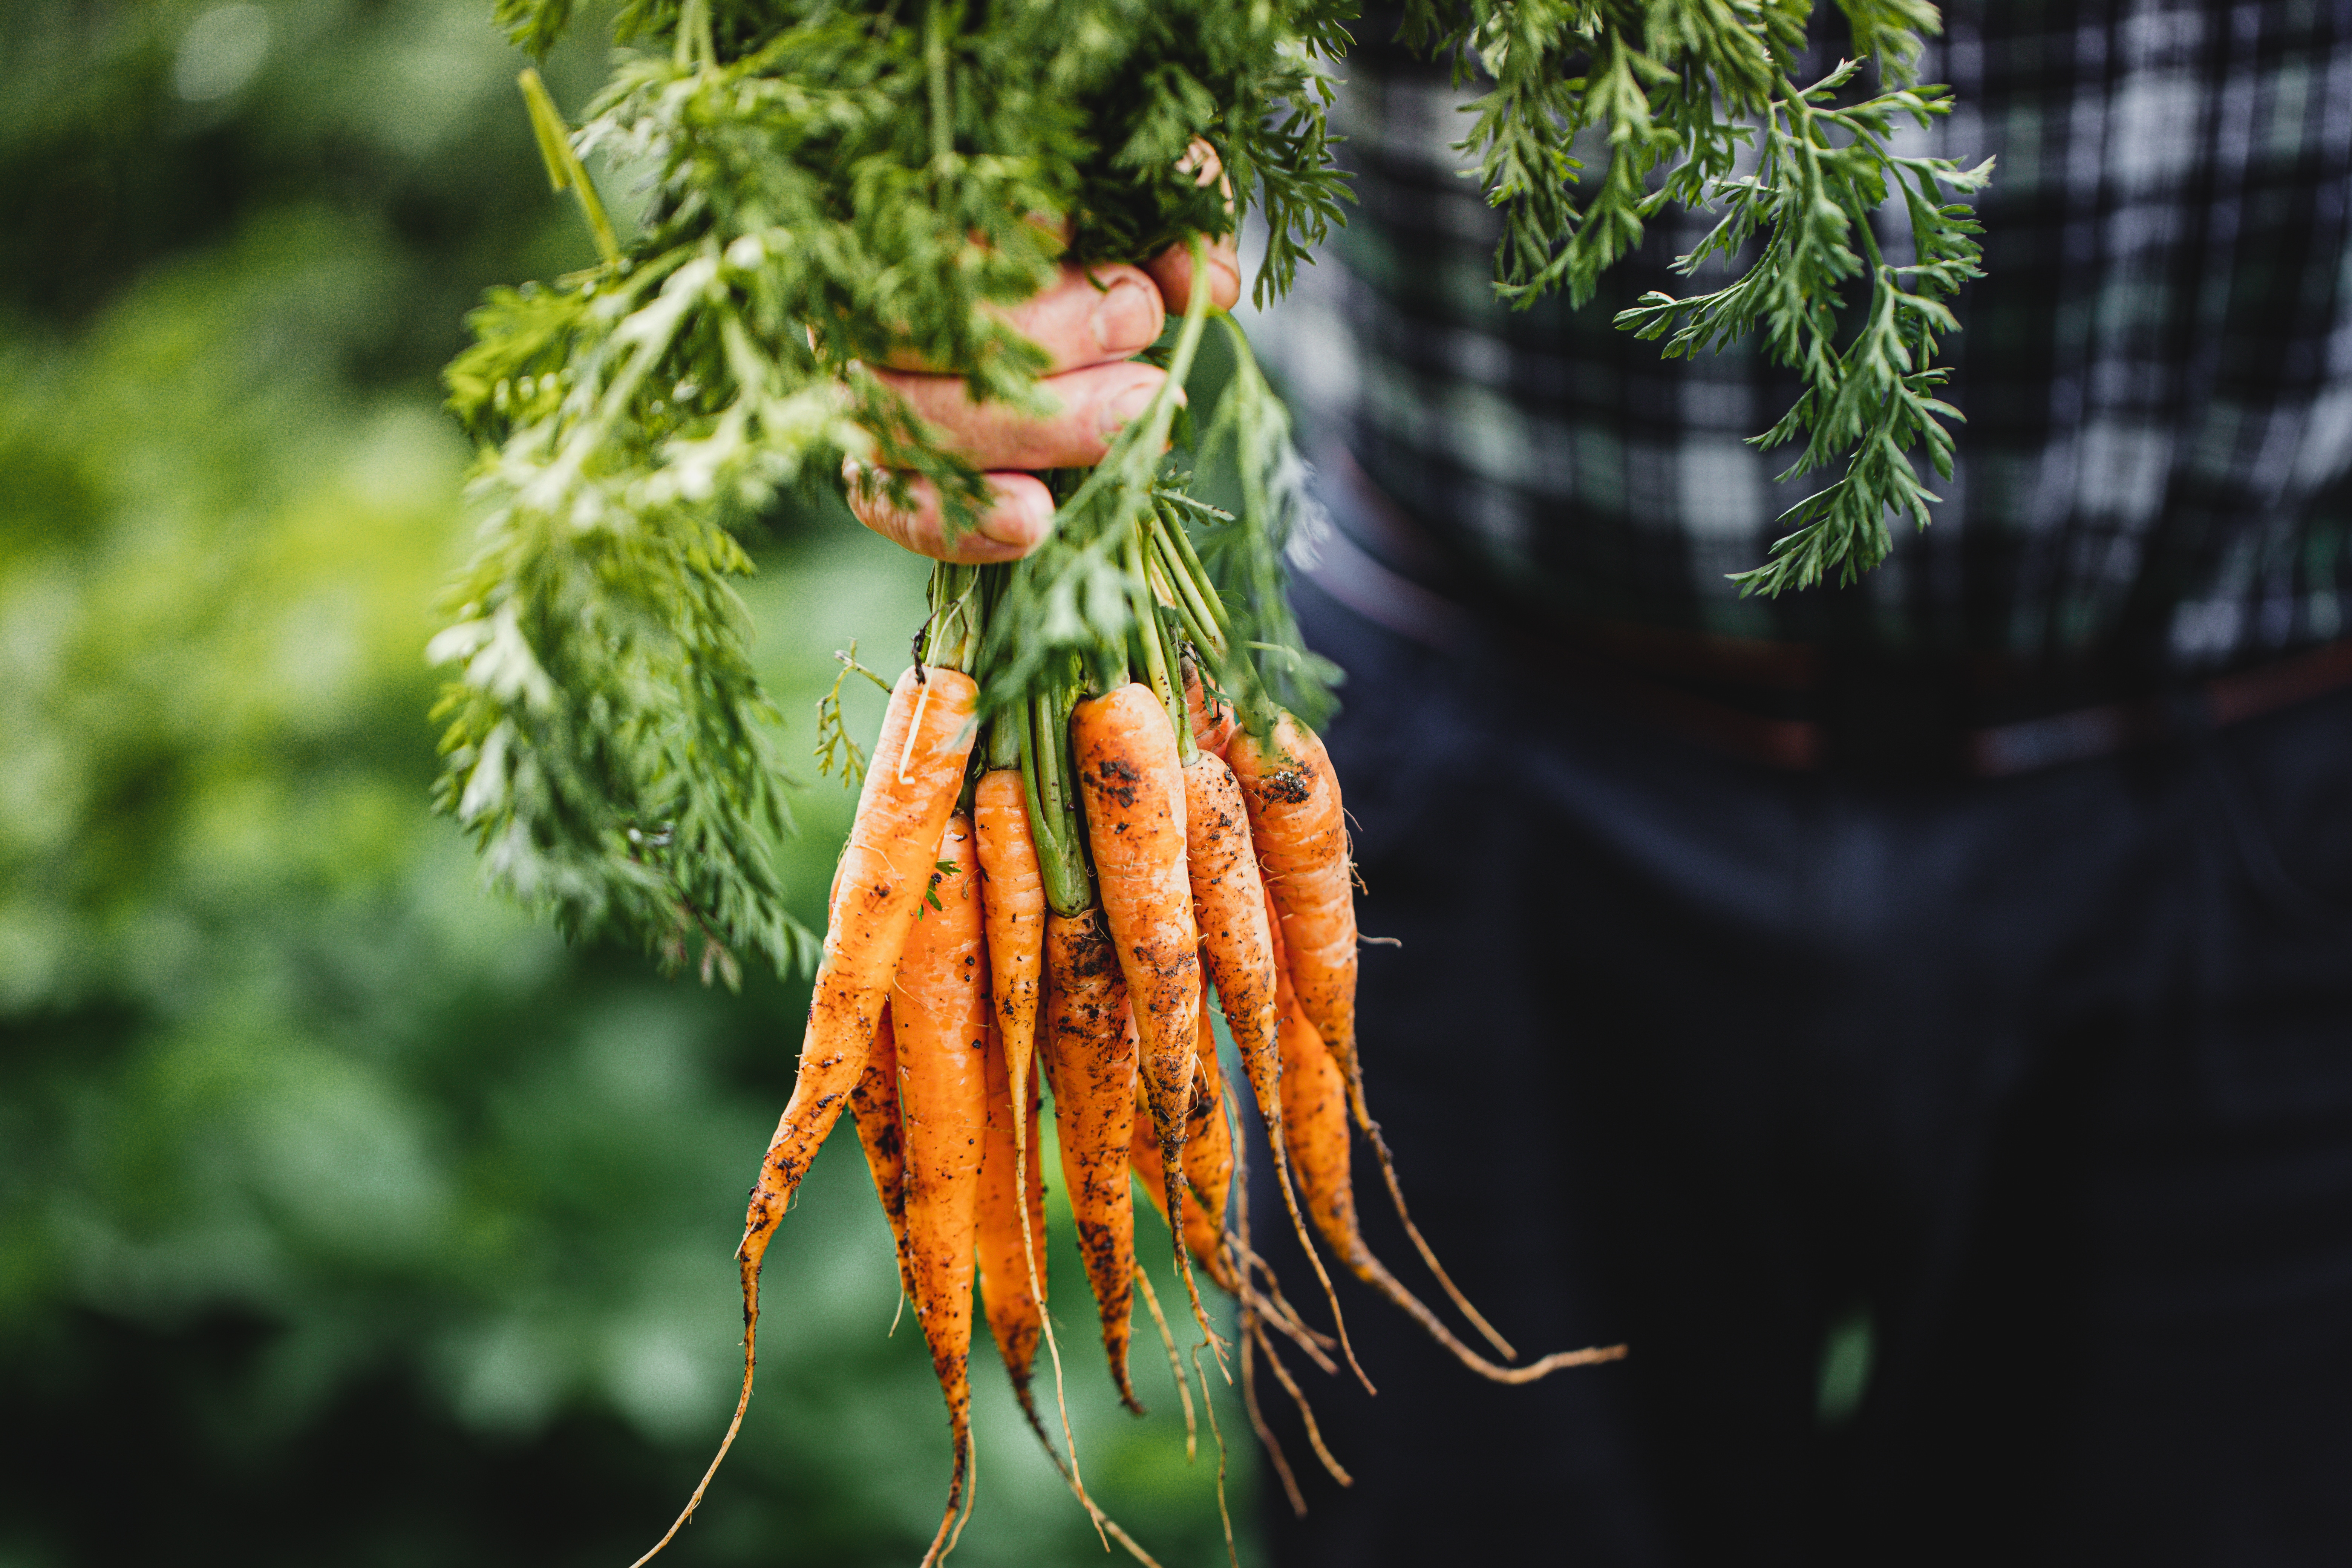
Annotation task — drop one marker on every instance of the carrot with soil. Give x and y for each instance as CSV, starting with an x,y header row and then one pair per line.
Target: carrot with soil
x,y
939,1007
1011,1223
1090,1057
874,1103
886,868
1301,831
1238,946
1131,779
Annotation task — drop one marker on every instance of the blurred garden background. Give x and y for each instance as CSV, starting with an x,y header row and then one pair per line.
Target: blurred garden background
x,y
346,1215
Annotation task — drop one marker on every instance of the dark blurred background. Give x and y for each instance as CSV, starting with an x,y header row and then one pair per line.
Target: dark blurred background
x,y
346,1215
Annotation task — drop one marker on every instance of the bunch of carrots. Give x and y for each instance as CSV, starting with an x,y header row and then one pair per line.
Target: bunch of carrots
x,y
1057,890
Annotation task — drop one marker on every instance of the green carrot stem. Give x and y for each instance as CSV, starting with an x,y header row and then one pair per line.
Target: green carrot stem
x,y
1172,533
1182,593
564,170
1004,746
1151,636
952,636
1043,724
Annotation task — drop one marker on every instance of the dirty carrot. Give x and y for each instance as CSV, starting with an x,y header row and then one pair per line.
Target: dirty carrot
x,y
1238,946
1300,828
1208,1160
875,1105
1201,1235
1131,782
1012,908
886,867
1091,1053
941,1013
1296,820
1013,1229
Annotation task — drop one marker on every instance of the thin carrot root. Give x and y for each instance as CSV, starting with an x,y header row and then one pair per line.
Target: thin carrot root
x,y
1251,1336
1313,1257
1428,1256
1209,1403
951,1527
1266,1439
1331,1466
1262,1056
1175,1363
1272,1310
743,1403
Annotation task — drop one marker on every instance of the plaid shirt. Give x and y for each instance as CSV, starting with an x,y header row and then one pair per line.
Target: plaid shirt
x,y
2157,369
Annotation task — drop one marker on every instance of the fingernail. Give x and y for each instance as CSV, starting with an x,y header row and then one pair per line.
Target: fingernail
x,y
1120,410
1127,318
1018,521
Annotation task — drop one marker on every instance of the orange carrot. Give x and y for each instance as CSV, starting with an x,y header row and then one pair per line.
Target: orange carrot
x,y
885,868
1132,783
1214,721
1301,833
1012,1231
1296,820
1012,903
1208,1154
939,1007
1012,906
1202,1236
1090,1053
874,1103
1315,1114
1238,945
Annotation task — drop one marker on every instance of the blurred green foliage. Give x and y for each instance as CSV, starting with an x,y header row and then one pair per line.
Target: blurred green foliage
x,y
346,1215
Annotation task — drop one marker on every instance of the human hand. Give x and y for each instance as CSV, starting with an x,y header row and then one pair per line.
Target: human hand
x,y
1089,322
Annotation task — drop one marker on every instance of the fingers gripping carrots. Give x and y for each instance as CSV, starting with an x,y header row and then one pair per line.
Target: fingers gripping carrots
x,y
939,1006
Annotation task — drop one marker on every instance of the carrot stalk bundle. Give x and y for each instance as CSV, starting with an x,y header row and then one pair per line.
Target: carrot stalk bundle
x,y
1127,845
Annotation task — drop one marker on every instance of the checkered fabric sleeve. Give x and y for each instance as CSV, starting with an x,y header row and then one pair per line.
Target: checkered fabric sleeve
x,y
2156,371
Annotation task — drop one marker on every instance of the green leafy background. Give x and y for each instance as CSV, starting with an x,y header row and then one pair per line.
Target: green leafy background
x,y
346,1215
